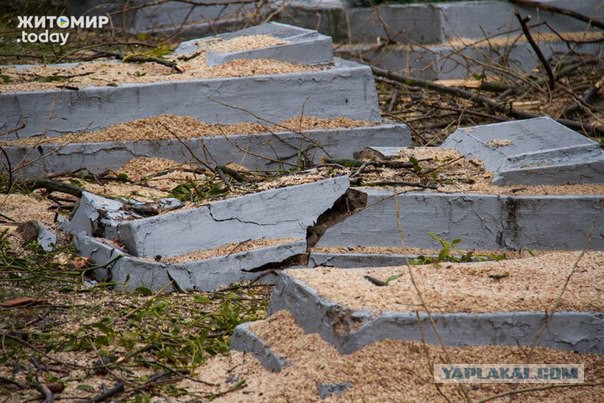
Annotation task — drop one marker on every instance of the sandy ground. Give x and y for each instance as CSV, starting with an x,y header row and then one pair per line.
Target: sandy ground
x,y
529,284
385,371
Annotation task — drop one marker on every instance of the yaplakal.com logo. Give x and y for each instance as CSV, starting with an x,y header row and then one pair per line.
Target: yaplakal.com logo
x,y
46,23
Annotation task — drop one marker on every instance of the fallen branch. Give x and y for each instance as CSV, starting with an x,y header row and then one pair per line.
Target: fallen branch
x,y
482,100
529,37
588,97
559,10
45,392
116,390
55,186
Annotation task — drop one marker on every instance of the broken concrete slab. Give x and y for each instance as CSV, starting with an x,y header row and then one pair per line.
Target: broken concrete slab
x,y
36,231
347,87
276,213
245,340
533,152
96,216
303,46
357,260
254,151
350,330
481,221
130,273
332,389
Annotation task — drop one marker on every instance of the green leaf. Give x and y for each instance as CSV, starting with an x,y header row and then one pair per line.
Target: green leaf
x,y
392,278
85,387
202,299
144,291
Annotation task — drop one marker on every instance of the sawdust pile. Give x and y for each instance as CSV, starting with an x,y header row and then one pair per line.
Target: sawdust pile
x,y
529,284
103,73
390,250
173,127
385,371
229,249
22,208
246,42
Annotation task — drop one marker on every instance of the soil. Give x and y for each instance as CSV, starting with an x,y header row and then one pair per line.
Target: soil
x,y
385,371
528,284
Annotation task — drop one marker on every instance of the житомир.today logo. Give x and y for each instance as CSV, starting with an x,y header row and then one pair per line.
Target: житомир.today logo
x,y
50,22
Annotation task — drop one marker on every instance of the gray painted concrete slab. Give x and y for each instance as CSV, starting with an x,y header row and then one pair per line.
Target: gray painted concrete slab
x,y
481,221
348,88
540,152
254,151
171,16
130,272
350,330
442,62
305,46
432,23
276,213
245,340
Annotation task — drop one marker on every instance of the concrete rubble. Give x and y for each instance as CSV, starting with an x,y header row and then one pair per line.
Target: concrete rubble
x,y
100,224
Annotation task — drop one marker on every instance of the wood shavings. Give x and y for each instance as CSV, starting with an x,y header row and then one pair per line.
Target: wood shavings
x,y
389,370
229,249
246,42
499,143
100,74
159,127
532,285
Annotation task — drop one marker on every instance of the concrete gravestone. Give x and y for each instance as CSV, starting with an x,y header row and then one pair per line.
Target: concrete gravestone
x,y
533,152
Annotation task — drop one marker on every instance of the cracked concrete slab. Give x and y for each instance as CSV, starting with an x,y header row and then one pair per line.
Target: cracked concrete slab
x,y
348,88
250,150
276,213
532,152
350,330
481,221
245,340
357,260
304,46
129,272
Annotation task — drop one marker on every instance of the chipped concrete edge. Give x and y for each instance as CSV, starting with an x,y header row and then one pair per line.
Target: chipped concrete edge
x,y
129,272
350,330
358,260
275,213
245,340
